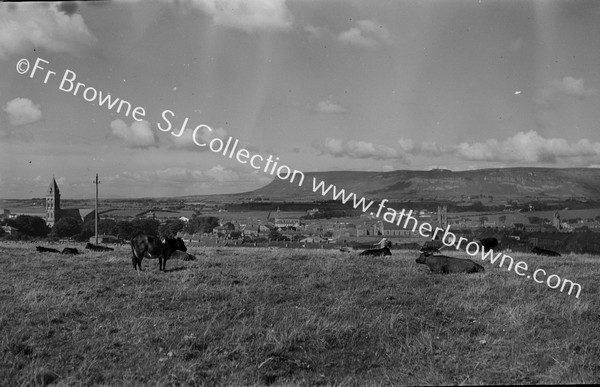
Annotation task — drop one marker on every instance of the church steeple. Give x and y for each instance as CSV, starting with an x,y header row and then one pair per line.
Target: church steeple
x,y
52,203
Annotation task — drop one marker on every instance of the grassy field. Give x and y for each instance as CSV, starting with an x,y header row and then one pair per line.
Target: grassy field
x,y
290,317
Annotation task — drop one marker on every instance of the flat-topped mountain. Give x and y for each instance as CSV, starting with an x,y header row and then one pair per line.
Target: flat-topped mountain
x,y
499,183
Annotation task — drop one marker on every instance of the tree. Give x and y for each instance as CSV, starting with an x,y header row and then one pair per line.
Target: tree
x,y
107,227
30,225
124,229
144,226
275,235
201,224
65,228
171,228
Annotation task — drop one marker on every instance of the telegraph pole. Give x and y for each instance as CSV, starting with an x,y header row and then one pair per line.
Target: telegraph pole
x,y
96,212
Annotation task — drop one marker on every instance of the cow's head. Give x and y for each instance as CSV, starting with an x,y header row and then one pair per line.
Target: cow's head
x,y
422,257
179,245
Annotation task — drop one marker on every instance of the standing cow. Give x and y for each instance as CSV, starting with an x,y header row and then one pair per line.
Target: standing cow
x,y
152,247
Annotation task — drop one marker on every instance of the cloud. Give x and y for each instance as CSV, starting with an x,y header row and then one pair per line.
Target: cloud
x,y
138,135
22,111
574,87
247,15
328,106
53,27
529,147
367,33
358,150
425,148
554,94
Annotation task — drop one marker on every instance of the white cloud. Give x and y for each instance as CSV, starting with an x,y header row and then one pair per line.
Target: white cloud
x,y
574,87
530,148
367,33
247,15
24,27
328,106
138,135
358,150
555,93
22,111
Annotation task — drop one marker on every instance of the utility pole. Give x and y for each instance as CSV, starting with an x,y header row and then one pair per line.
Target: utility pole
x,y
96,212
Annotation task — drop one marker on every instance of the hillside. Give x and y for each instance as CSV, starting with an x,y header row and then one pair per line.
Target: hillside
x,y
501,183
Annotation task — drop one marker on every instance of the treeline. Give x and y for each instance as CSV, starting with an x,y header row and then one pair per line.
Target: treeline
x,y
35,227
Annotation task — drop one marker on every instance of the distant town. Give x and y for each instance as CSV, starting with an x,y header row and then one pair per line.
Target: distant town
x,y
236,221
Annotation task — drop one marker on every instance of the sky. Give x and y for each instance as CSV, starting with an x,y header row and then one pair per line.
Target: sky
x,y
317,85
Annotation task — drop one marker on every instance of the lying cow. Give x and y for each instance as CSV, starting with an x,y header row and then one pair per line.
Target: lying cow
x,y
377,252
152,247
540,251
442,264
182,255
70,250
43,249
430,249
93,247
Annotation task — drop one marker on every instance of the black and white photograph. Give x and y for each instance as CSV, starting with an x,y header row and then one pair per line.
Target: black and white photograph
x,y
299,192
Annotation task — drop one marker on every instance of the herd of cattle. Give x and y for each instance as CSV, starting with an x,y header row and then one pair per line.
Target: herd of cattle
x,y
148,246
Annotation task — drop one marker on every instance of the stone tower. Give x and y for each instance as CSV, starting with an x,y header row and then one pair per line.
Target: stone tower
x,y
52,204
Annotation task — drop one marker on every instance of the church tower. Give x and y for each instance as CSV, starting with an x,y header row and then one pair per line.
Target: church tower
x,y
52,204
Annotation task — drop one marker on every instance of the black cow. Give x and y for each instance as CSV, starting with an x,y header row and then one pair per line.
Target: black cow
x,y
152,247
540,251
489,243
377,252
43,249
93,247
70,250
443,265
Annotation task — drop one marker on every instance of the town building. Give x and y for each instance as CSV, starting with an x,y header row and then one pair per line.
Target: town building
x,y
54,212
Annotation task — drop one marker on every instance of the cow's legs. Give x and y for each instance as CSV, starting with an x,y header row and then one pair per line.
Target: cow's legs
x,y
160,263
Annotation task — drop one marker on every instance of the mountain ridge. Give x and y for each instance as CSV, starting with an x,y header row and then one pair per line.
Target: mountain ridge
x,y
500,184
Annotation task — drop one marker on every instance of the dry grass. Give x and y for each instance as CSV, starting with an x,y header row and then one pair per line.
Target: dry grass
x,y
274,316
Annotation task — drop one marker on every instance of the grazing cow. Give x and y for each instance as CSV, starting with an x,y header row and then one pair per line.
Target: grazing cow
x,y
94,247
442,264
549,253
151,247
70,250
43,249
489,243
